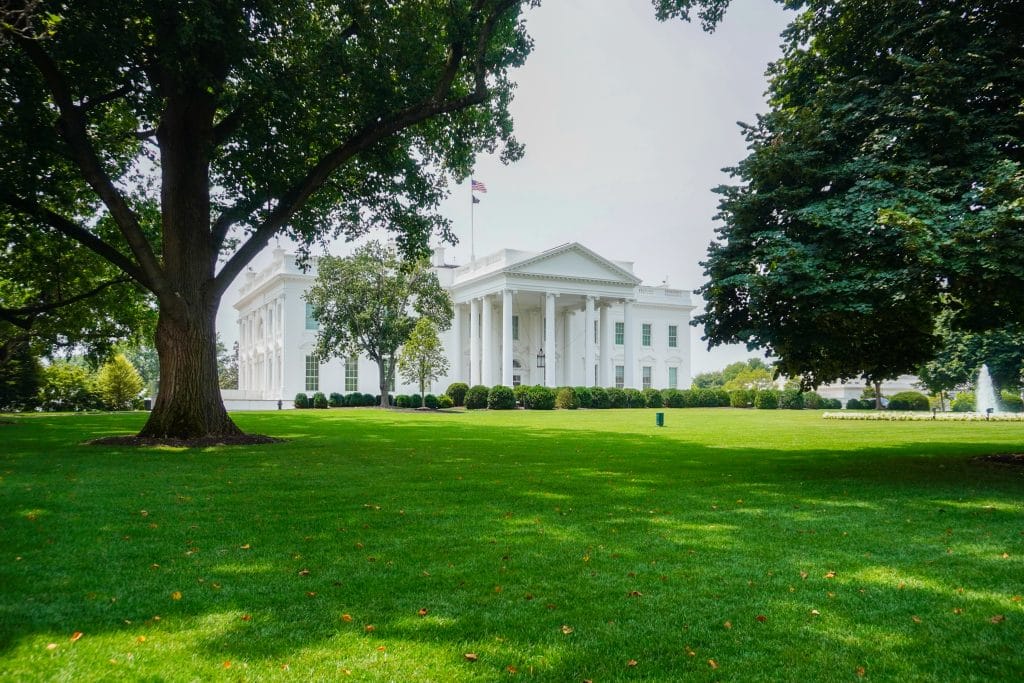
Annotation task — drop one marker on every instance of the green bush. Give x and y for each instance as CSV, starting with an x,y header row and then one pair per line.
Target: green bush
x,y
402,401
813,401
687,398
766,399
791,399
566,399
501,398
673,398
319,400
353,400
540,398
430,401
964,402
1011,402
415,401
371,400
520,391
908,400
652,398
742,398
599,398
708,398
476,397
831,404
616,397
445,401
584,398
634,398
301,401
860,404
335,400
457,392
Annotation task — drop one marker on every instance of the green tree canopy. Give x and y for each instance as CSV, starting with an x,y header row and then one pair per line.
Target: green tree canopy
x,y
962,353
119,383
884,185
369,303
422,359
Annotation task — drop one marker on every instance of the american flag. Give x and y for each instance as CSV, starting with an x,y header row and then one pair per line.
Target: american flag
x,y
478,186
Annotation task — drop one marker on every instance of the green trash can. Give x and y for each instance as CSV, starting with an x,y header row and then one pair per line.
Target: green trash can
x,y
659,419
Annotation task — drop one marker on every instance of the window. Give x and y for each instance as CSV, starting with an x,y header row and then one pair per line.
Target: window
x,y
620,376
673,336
620,333
645,334
515,328
646,374
312,374
352,374
311,323
673,378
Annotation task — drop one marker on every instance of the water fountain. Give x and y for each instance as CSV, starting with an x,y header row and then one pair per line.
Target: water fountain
x,y
985,394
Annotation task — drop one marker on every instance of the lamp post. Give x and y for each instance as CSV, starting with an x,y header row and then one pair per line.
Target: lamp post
x,y
541,363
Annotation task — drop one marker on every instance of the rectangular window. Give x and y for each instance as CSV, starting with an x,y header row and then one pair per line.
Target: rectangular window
x,y
312,374
645,334
515,328
517,380
620,333
673,336
646,374
311,323
351,374
673,378
620,376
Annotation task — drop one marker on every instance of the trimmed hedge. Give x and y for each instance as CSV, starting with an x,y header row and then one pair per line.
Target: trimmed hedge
x,y
540,398
415,401
742,398
430,401
319,400
652,398
791,399
766,399
908,400
335,400
476,397
616,397
860,404
813,401
301,401
634,398
1011,402
520,391
673,398
599,398
584,397
402,401
445,401
457,392
566,399
501,398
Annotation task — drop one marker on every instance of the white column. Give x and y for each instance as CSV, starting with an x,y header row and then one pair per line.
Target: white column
x,y
487,344
588,343
550,348
606,376
506,337
474,342
629,345
456,358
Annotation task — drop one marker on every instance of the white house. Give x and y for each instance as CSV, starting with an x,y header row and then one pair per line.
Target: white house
x,y
588,317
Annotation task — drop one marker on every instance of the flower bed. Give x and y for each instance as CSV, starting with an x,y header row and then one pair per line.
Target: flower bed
x,y
917,416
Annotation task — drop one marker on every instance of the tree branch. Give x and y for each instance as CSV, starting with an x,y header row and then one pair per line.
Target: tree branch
x,y
92,103
10,314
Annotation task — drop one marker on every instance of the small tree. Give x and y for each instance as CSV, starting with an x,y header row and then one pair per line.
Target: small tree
x,y
119,383
422,359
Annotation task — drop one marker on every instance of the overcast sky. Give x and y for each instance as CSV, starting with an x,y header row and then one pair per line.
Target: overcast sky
x,y
627,123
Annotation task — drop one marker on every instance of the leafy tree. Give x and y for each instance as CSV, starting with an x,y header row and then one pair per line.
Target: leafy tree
x,y
751,378
370,302
227,366
119,383
884,186
708,380
68,385
145,359
20,377
422,359
962,353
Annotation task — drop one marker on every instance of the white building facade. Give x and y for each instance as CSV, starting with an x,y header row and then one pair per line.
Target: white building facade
x,y
589,318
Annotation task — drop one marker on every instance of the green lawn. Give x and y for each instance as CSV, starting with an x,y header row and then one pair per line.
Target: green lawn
x,y
560,546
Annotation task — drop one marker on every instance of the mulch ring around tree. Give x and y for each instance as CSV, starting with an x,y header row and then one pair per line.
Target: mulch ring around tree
x,y
201,442
1014,459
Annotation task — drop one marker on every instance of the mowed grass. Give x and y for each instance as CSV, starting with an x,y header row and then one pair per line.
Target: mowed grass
x,y
556,546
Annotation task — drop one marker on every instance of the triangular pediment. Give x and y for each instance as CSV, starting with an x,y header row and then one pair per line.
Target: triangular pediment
x,y
574,261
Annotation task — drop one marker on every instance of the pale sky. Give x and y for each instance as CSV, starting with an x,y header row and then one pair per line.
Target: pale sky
x,y
627,123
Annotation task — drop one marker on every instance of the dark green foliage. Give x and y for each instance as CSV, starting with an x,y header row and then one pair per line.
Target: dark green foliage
x,y
335,400
430,401
567,399
766,399
540,397
599,398
634,398
20,378
742,398
521,391
832,404
301,400
476,397
354,399
583,396
616,397
963,403
445,401
371,400
672,398
908,400
319,400
402,401
813,400
860,404
457,392
68,386
962,354
415,401
708,398
791,399
652,398
501,398
1010,402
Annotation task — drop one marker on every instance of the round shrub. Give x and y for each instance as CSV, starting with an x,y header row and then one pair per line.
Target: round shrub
x,y
540,398
371,400
301,401
766,399
832,404
742,398
584,398
319,400
430,401
704,398
963,403
476,397
402,401
566,399
908,400
652,398
599,397
457,392
445,401
520,391
856,404
672,398
813,401
687,398
501,398
335,400
415,401
616,397
634,398
1011,402
354,399
791,399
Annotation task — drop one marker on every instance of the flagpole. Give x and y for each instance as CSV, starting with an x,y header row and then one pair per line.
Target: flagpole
x,y
472,249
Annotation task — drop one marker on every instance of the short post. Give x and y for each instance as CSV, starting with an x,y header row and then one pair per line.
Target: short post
x,y
280,404
988,413
659,419
935,413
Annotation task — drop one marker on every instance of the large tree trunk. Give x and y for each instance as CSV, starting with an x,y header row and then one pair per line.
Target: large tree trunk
x,y
385,371
189,404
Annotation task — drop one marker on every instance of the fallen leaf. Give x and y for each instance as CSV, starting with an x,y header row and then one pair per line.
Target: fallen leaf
x,y
511,669
470,657
762,618
176,595
860,671
246,617
830,575
815,613
381,648
76,636
215,585
902,585
51,646
346,617
227,665
370,628
916,619
154,566
631,662
1016,598
529,596
1006,556
803,575
566,629
727,624
957,610
285,667
140,639
245,547
497,589
635,594
303,572
998,619
422,612
550,605
713,664
310,594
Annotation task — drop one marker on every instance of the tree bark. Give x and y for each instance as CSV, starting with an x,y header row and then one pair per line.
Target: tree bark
x,y
878,395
